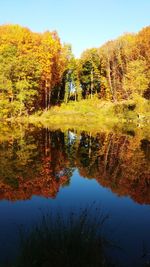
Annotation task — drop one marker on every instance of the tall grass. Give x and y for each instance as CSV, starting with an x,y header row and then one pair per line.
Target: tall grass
x,y
76,240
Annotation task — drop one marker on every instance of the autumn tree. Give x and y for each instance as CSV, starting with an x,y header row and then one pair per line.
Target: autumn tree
x,y
135,79
51,63
31,69
19,72
38,71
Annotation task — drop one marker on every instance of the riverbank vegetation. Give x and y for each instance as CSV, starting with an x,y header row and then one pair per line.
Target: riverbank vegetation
x,y
76,239
95,113
37,72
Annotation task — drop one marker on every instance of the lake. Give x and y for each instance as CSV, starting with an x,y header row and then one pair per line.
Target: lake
x,y
44,169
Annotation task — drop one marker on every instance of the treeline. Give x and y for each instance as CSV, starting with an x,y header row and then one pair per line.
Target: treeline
x,y
37,70
119,69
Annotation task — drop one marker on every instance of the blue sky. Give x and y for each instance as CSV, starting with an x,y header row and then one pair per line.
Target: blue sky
x,y
83,23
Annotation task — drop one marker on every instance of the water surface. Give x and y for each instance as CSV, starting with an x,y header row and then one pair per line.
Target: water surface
x,y
43,169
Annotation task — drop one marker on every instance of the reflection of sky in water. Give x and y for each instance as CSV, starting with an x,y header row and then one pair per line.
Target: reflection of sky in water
x,y
128,223
48,159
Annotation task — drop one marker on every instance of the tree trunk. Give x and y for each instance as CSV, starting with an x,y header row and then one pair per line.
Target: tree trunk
x,y
58,96
110,82
75,96
92,86
49,98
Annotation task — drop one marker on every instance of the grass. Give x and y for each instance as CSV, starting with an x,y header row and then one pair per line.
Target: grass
x,y
76,240
93,115
95,111
72,241
86,113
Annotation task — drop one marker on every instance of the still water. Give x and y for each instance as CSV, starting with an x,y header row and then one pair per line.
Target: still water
x,y
43,169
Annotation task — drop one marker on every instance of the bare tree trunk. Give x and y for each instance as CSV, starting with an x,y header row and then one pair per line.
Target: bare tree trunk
x,y
49,98
110,82
58,96
75,96
92,86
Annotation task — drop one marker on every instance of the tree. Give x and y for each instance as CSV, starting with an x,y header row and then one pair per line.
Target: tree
x,y
71,77
89,73
31,69
135,79
52,65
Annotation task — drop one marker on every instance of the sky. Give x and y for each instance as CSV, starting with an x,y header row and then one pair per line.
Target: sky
x,y
82,23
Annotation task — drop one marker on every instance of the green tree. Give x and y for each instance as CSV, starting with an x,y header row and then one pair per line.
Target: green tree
x,y
89,73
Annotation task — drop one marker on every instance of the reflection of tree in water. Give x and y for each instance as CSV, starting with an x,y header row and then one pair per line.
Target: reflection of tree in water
x,y
118,162
39,162
33,165
88,154
145,146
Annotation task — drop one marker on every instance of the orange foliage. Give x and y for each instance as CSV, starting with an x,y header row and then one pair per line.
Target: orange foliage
x,y
119,162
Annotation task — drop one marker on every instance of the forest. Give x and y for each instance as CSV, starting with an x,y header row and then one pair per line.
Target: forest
x,y
37,71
